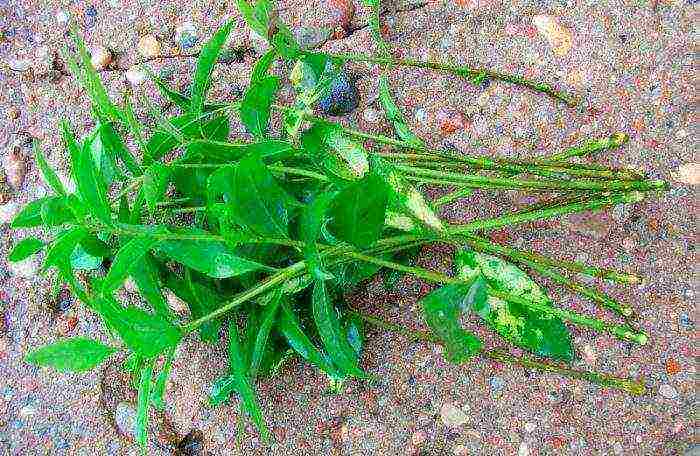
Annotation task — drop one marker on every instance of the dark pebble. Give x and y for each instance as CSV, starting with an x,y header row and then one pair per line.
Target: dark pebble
x,y
342,99
191,445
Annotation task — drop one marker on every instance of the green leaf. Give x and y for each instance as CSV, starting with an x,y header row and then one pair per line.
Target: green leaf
x,y
542,334
63,246
89,183
77,354
313,218
257,17
335,152
115,147
407,199
354,328
201,300
104,158
145,334
184,128
257,201
47,172
129,257
289,325
210,257
442,308
205,65
25,248
30,215
206,151
144,398
262,66
158,393
358,212
256,105
155,182
393,113
80,260
331,333
285,43
148,282
95,246
269,317
90,80
57,211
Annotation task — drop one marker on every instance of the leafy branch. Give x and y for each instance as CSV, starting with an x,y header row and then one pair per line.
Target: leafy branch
x,y
263,235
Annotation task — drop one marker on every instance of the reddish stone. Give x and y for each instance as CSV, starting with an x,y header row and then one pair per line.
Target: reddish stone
x,y
672,367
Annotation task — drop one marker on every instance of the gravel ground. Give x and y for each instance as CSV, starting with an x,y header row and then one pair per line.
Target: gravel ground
x,y
633,62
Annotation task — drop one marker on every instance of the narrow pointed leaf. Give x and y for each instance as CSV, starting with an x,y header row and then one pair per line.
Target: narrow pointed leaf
x,y
262,66
256,105
289,325
47,172
89,183
393,113
312,220
269,317
335,152
148,282
78,354
331,332
30,215
205,65
144,399
129,257
114,145
258,16
211,257
240,376
25,248
58,211
158,392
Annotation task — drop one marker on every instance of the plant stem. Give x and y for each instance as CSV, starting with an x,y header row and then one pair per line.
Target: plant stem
x,y
622,332
625,384
273,168
611,142
482,244
524,217
489,182
463,71
452,196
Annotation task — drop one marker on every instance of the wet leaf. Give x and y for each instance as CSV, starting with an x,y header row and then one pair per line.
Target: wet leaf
x,y
312,221
155,182
130,256
543,334
262,66
258,16
47,172
144,399
335,152
443,308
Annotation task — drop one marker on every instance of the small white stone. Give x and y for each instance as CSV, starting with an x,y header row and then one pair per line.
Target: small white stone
x,y
420,115
149,46
177,305
19,64
125,419
100,57
452,416
370,115
681,134
27,411
8,212
530,427
135,76
558,36
523,449
668,391
62,17
43,60
688,173
186,35
26,268
589,355
483,99
617,449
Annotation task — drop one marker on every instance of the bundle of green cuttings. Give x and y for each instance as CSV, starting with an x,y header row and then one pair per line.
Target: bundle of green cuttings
x,y
264,235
